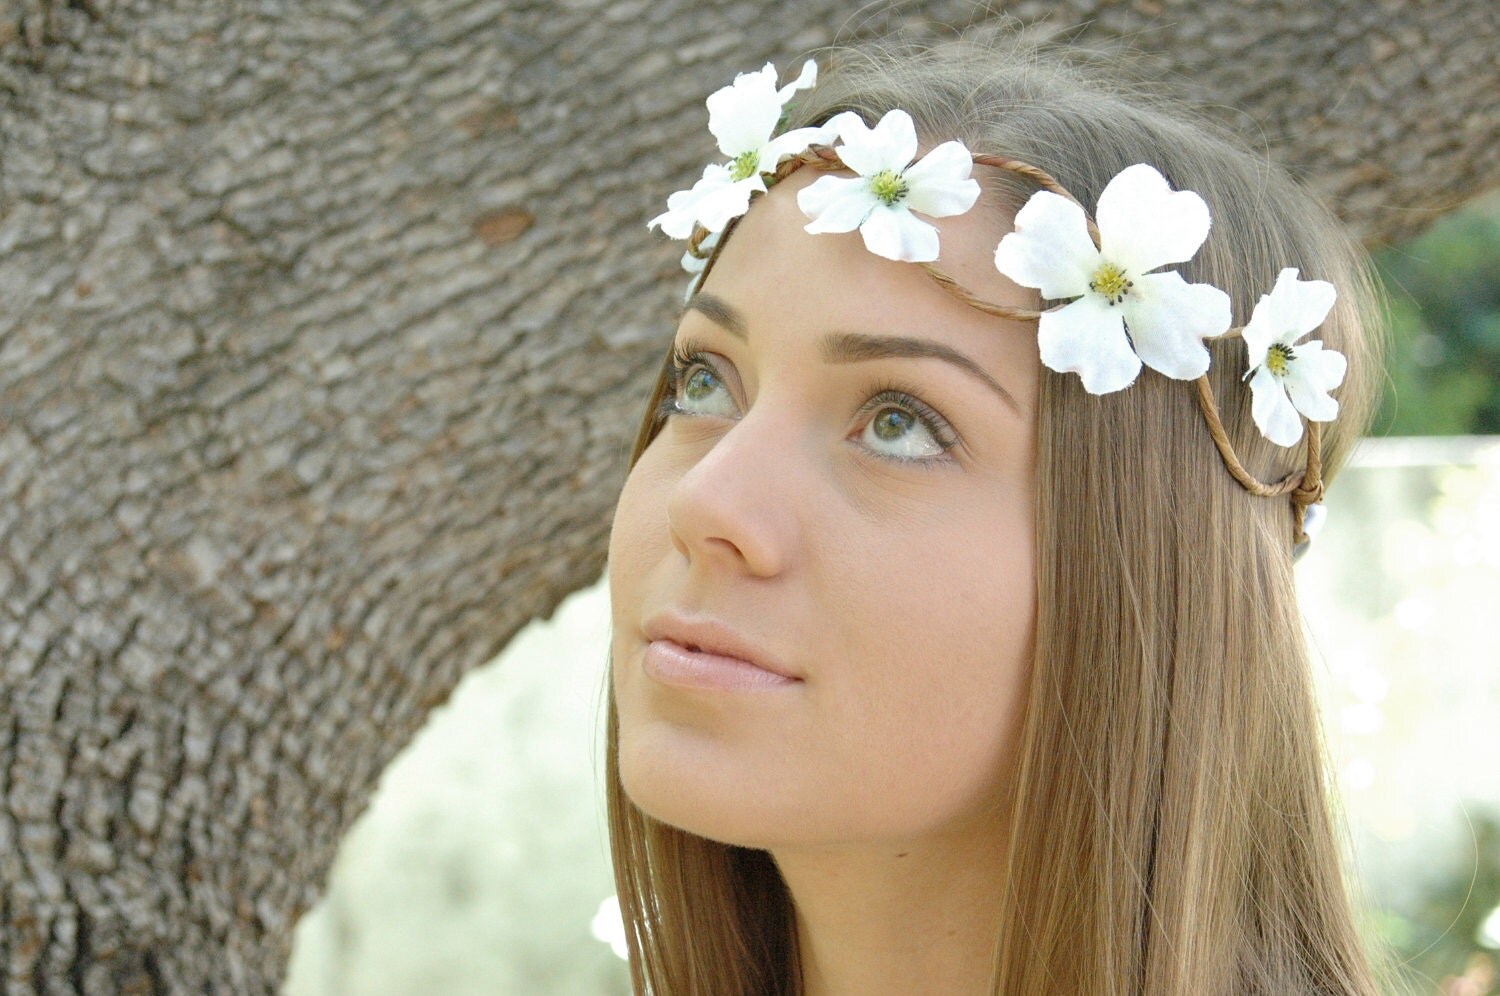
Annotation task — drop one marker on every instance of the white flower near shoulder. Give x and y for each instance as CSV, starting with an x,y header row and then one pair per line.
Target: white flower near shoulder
x,y
1287,377
742,116
890,186
1125,314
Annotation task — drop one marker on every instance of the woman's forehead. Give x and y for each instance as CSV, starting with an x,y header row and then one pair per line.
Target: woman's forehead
x,y
771,263
772,276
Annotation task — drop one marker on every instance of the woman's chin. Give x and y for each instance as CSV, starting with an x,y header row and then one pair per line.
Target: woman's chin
x,y
677,779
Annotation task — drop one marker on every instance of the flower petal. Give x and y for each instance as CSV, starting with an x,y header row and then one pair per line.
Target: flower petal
x,y
1259,332
1311,401
890,145
1256,357
1050,248
676,224
712,202
836,203
1144,224
940,183
1296,307
1088,337
807,79
835,127
896,233
682,206
1272,410
1314,517
1320,365
1312,373
723,203
743,114
1168,318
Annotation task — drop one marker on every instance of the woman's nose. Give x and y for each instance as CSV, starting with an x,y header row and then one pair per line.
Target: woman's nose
x,y
737,506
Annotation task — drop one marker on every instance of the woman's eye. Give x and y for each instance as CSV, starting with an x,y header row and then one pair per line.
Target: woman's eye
x,y
700,391
896,430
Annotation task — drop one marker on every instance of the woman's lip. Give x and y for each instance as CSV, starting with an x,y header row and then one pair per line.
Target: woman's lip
x,y
708,636
674,664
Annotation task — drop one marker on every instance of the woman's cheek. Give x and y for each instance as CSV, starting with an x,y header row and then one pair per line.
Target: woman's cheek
x,y
640,522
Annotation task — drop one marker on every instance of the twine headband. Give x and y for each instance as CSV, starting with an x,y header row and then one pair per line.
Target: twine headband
x,y
1124,313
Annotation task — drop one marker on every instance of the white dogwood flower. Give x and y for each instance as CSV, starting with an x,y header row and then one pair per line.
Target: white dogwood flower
x,y
1124,314
1288,377
890,186
743,117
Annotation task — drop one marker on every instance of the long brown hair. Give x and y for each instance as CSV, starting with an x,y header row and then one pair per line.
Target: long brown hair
x,y
1170,832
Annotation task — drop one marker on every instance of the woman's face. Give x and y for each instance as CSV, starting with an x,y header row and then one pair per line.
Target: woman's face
x,y
822,567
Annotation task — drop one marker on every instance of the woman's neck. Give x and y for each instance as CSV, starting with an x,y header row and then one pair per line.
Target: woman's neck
x,y
917,919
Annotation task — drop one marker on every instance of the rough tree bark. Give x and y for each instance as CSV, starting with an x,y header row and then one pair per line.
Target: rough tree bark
x,y
324,328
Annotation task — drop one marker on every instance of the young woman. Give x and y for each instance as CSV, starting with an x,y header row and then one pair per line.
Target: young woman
x,y
955,640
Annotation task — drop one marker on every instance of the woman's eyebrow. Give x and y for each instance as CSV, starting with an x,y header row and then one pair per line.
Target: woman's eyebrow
x,y
718,311
853,347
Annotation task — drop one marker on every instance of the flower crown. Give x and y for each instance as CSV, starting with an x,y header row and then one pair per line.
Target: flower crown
x,y
1122,310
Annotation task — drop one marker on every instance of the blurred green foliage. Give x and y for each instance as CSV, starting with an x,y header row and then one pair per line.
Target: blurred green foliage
x,y
1443,300
1437,940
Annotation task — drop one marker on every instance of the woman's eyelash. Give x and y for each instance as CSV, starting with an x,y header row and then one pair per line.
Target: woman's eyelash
x,y
890,395
685,356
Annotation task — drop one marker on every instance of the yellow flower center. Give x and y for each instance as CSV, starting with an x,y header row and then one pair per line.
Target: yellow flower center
x,y
1279,358
889,187
744,166
1110,281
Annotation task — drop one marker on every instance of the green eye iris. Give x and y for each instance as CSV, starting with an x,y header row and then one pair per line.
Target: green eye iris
x,y
701,384
701,391
897,431
892,424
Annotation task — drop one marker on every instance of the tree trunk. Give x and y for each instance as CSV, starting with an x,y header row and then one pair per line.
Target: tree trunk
x,y
325,328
